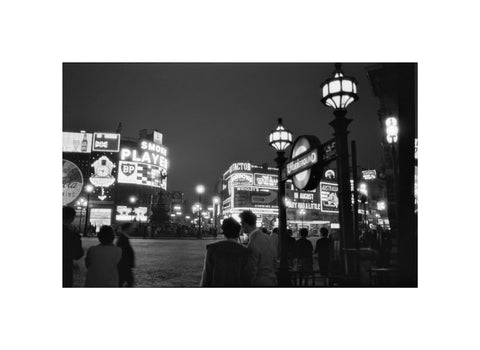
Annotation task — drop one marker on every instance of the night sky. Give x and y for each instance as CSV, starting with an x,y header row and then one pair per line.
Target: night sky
x,y
212,115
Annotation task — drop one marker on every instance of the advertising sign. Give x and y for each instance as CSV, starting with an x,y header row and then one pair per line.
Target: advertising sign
x,y
72,182
125,213
241,179
329,151
255,199
100,216
141,174
103,142
369,174
77,142
265,180
157,137
328,197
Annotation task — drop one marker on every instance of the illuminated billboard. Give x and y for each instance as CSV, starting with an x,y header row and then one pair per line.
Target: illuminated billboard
x,y
266,180
141,174
100,216
72,182
146,165
104,142
328,197
77,142
255,198
125,213
241,179
157,137
369,174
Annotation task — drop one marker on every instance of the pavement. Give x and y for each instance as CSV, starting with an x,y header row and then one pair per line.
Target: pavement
x,y
159,262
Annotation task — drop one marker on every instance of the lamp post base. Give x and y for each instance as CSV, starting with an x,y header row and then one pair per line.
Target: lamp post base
x,y
284,279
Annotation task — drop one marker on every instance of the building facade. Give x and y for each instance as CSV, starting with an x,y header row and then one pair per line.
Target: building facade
x,y
110,179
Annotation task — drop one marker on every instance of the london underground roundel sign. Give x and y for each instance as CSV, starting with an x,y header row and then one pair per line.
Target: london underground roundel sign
x,y
305,165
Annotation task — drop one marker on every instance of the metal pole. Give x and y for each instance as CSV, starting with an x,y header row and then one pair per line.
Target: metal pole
x,y
199,216
347,239
283,274
355,206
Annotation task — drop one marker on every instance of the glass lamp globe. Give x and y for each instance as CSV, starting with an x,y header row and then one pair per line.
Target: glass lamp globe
x,y
340,91
280,138
391,129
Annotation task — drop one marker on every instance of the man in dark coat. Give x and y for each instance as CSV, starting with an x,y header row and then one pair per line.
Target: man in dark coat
x,y
127,262
304,255
72,246
322,249
226,262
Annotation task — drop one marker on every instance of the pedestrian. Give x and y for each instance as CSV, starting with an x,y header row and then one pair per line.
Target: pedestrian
x,y
322,250
102,261
226,261
127,262
262,254
274,240
290,247
71,246
304,256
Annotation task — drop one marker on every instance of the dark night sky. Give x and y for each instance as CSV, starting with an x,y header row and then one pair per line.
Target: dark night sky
x,y
212,115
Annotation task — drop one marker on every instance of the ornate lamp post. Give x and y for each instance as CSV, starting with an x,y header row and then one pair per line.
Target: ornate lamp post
x,y
216,201
81,203
280,139
200,189
391,129
132,200
339,92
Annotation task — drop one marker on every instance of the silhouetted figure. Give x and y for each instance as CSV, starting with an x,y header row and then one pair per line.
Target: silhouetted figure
x,y
226,261
290,247
304,256
322,249
102,261
262,254
71,246
127,262
274,240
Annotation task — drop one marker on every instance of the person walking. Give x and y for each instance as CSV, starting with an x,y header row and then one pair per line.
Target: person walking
x,y
102,261
322,250
127,262
71,246
304,256
262,254
226,261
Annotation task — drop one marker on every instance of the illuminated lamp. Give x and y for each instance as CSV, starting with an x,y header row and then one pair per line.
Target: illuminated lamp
x,y
340,91
280,138
391,124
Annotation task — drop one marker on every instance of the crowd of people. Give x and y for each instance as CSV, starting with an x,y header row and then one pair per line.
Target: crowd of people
x,y
108,264
251,261
255,261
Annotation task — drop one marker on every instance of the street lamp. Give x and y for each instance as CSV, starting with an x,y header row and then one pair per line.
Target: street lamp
x,y
302,214
132,200
200,189
391,129
216,201
338,93
89,189
81,203
280,139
